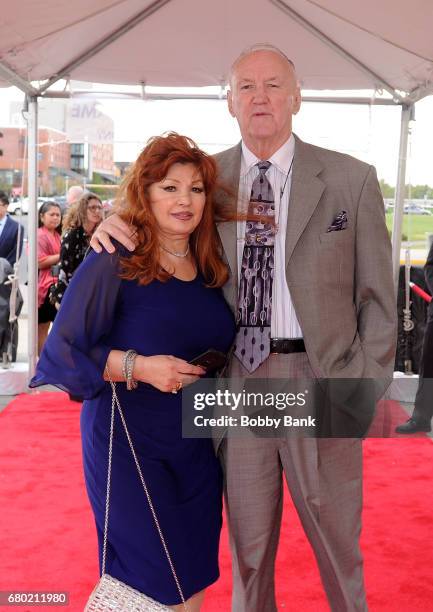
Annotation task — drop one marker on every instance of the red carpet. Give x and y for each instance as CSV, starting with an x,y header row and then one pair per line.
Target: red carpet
x,y
47,540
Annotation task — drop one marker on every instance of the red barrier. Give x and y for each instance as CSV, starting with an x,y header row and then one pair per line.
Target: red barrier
x,y
425,296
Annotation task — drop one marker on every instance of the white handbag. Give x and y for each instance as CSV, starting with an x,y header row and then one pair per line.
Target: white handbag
x,y
110,593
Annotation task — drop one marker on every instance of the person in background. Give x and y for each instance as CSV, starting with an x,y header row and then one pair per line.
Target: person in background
x,y
9,241
75,193
50,218
9,233
79,223
423,409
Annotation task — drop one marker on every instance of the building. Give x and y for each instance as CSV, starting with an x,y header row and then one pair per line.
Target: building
x,y
88,131
12,146
53,160
89,159
122,167
91,133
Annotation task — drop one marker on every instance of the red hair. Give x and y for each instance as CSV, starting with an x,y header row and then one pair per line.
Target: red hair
x,y
152,165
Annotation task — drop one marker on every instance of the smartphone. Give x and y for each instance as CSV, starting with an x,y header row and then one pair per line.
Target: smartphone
x,y
211,360
55,269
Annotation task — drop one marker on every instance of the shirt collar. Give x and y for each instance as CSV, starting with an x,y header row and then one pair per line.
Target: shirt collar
x,y
282,158
3,221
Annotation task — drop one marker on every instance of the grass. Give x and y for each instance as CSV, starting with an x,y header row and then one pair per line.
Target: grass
x,y
415,227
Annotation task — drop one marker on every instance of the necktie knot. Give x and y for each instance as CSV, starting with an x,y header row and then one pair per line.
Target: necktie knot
x,y
263,166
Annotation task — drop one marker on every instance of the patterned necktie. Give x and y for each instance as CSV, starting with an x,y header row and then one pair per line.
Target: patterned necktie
x,y
256,278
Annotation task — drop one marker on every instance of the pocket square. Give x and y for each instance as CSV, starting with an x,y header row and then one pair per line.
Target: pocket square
x,y
339,223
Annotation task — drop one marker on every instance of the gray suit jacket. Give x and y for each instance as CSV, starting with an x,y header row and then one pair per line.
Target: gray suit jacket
x,y
340,282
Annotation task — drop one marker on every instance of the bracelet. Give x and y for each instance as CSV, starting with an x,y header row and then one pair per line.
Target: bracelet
x,y
124,365
127,369
131,384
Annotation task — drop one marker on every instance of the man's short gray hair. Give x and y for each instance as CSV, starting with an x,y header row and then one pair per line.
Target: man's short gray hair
x,y
260,47
74,194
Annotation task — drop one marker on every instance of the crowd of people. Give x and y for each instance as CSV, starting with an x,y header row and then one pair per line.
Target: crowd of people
x,y
62,245
62,242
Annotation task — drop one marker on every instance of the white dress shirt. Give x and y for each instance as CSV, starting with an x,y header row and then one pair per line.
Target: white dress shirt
x,y
284,323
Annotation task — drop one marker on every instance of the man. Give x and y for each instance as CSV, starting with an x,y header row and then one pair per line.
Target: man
x,y
330,313
75,193
423,409
9,232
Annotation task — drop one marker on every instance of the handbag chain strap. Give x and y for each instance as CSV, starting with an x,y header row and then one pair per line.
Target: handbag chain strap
x,y
114,403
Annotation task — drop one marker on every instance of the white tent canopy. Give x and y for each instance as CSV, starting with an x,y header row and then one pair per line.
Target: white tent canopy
x,y
335,44
385,46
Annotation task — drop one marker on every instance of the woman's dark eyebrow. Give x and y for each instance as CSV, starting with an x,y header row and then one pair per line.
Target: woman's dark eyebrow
x,y
167,178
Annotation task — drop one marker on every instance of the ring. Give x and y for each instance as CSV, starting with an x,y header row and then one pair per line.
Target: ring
x,y
178,387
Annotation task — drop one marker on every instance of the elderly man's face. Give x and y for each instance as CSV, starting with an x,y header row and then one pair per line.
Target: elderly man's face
x,y
264,95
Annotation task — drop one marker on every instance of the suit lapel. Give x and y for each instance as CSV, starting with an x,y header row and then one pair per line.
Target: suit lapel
x,y
305,193
229,165
7,230
306,190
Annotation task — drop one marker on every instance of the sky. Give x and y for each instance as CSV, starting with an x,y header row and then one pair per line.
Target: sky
x,y
370,133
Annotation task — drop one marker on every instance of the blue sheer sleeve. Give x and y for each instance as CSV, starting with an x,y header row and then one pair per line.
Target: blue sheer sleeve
x,y
76,350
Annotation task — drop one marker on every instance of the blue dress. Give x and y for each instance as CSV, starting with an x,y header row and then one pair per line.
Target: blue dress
x,y
100,312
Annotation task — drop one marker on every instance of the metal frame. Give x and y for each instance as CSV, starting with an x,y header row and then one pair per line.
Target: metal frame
x,y
407,102
407,115
377,79
105,42
32,227
15,79
173,95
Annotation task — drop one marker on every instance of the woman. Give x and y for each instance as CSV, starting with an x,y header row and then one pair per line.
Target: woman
x,y
164,302
79,223
50,218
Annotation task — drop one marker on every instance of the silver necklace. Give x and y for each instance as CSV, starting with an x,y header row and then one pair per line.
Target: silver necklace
x,y
174,252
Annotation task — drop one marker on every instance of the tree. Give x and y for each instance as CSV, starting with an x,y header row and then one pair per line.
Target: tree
x,y
419,192
59,185
387,190
414,192
106,190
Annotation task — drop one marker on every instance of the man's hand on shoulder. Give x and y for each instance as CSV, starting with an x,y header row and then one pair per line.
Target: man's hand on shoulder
x,y
113,227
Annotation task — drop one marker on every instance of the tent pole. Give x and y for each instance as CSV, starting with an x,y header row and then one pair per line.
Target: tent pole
x,y
176,95
307,25
15,79
32,226
105,42
407,114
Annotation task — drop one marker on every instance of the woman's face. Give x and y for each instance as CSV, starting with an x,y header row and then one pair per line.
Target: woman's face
x,y
51,218
178,200
94,211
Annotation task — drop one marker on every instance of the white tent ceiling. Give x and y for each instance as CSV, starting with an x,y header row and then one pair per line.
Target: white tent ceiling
x,y
335,44
342,44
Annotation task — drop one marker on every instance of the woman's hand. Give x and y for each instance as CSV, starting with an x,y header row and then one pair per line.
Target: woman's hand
x,y
47,262
113,227
165,372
